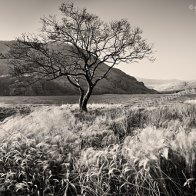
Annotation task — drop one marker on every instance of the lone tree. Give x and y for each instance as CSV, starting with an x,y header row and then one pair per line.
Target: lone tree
x,y
76,47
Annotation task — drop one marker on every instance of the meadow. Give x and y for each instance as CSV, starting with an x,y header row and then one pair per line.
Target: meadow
x,y
117,148
73,99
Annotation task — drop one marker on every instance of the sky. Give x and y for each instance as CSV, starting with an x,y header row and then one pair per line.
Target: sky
x,y
169,24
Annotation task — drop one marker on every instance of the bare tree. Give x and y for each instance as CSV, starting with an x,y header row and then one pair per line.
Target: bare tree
x,y
75,47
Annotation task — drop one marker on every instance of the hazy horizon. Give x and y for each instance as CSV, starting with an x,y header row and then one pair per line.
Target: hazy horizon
x,y
169,25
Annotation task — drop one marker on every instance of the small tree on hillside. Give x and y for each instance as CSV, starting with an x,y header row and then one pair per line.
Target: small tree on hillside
x,y
76,47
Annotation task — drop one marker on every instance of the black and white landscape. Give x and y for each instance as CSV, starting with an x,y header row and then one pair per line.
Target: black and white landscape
x,y
97,98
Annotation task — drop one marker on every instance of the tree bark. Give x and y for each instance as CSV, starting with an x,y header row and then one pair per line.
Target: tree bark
x,y
84,99
81,98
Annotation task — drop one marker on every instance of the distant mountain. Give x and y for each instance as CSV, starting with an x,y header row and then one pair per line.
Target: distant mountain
x,y
168,85
117,82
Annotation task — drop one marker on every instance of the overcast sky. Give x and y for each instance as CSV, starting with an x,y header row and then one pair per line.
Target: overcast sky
x,y
169,24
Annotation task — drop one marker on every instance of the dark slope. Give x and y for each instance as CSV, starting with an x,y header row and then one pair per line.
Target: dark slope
x,y
117,82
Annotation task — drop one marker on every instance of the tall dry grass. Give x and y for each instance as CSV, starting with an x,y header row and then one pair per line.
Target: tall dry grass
x,y
111,150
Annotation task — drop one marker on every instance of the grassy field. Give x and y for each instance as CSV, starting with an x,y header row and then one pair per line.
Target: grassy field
x,y
59,100
114,149
125,99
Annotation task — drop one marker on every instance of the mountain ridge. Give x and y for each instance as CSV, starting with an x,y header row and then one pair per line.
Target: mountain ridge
x,y
170,85
117,82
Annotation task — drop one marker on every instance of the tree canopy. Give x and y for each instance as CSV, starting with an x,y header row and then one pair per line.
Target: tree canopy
x,y
75,46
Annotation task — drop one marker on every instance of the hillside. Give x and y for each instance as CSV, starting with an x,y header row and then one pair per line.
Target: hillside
x,y
168,85
117,82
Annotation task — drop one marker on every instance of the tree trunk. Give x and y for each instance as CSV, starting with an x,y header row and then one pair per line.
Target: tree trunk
x,y
84,99
81,98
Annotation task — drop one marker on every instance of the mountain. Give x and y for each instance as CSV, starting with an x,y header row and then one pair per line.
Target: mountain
x,y
117,82
168,85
